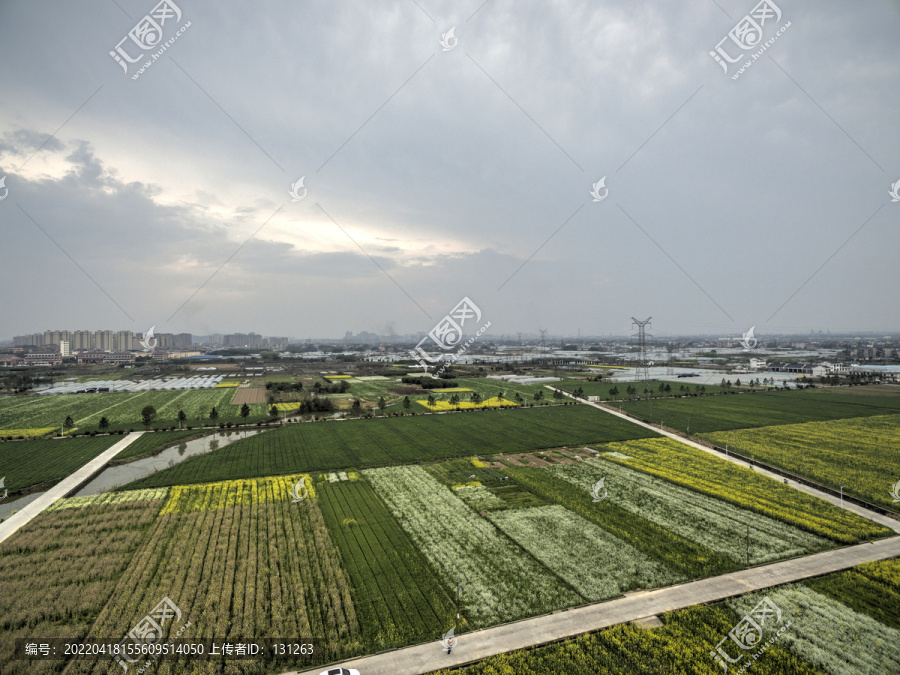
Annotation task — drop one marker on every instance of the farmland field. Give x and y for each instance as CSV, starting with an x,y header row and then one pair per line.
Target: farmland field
x,y
832,630
861,453
702,472
500,581
28,463
240,560
720,413
381,442
710,522
594,562
690,559
398,597
58,572
680,646
123,410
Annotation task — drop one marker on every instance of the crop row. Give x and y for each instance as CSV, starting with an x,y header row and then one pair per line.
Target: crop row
x,y
322,446
59,570
860,453
500,581
713,523
702,472
397,595
28,463
245,570
719,413
681,554
597,564
120,409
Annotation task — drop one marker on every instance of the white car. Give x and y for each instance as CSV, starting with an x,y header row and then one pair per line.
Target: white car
x,y
341,671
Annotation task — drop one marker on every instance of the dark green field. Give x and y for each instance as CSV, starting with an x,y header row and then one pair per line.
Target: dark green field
x,y
397,440
742,411
398,597
27,463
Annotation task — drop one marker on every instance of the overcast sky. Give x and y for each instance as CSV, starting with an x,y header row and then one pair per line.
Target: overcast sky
x,y
435,171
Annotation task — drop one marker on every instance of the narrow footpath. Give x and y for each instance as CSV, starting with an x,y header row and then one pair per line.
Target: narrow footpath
x,y
563,624
66,486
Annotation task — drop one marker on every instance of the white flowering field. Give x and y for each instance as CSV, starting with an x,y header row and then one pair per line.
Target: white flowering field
x,y
500,581
714,523
480,498
596,563
827,633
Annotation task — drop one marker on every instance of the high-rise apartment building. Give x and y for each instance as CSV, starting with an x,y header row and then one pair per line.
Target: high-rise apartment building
x,y
82,340
124,341
103,340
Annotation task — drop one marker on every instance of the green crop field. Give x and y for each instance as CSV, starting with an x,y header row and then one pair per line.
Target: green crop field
x,y
150,442
29,463
123,410
397,595
861,453
397,440
719,413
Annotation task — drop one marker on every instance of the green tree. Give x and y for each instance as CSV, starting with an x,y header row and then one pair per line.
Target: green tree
x,y
273,412
668,388
614,392
539,396
454,400
475,398
499,395
381,404
431,401
356,408
104,423
245,411
182,416
737,382
148,414
557,394
406,403
68,423
214,414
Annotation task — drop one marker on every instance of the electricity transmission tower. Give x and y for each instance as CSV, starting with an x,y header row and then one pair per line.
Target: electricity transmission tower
x,y
642,373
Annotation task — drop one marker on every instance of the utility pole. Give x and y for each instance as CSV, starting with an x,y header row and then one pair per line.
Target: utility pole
x,y
748,546
842,495
457,605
